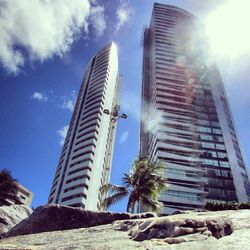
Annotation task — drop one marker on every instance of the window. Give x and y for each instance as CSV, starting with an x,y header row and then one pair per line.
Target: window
x,y
23,197
214,182
88,152
225,173
86,139
210,154
232,195
222,155
184,195
218,138
214,117
204,129
207,145
74,196
217,131
210,162
81,177
85,146
202,109
81,161
86,133
190,173
214,193
220,146
224,164
213,172
203,122
206,137
229,183
216,124
94,114
201,115
75,187
176,171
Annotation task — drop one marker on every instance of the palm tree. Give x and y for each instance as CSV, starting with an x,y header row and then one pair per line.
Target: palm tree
x,y
8,188
142,184
116,194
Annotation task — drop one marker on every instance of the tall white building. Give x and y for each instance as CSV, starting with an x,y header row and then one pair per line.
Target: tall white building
x,y
186,119
85,161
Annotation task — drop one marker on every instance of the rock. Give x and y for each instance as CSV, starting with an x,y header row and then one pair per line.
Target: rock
x,y
11,216
180,212
55,217
219,227
166,227
186,238
191,235
142,215
188,211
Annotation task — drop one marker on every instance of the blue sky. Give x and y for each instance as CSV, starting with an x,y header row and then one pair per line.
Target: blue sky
x,y
44,48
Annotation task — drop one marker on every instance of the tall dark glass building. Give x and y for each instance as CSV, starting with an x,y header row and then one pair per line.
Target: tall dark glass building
x,y
186,120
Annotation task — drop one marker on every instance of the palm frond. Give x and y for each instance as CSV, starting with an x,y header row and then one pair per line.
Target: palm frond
x,y
146,180
8,187
128,180
111,188
107,202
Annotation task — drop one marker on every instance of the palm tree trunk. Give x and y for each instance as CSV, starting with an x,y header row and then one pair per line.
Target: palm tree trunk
x,y
138,206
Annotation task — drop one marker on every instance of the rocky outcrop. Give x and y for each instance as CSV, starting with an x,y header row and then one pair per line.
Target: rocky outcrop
x,y
11,216
222,230
55,217
170,229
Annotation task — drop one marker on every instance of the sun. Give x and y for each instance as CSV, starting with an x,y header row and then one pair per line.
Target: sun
x,y
228,29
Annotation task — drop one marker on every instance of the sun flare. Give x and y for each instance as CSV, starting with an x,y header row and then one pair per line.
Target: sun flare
x,y
227,28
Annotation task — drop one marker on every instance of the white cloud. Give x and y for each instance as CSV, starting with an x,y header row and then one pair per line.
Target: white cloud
x,y
62,134
123,137
39,97
123,14
69,101
68,104
97,19
38,30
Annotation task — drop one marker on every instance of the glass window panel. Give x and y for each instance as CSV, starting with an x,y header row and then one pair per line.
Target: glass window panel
x,y
206,137
203,122
216,124
222,155
204,129
210,162
220,146
224,164
207,145
217,131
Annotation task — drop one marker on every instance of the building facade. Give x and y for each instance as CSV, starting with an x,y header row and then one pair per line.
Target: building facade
x,y
25,195
186,120
85,162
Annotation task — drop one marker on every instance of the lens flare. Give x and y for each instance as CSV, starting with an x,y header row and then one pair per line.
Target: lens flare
x,y
227,28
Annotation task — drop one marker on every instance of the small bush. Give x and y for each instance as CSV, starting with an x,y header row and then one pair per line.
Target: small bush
x,y
244,205
232,205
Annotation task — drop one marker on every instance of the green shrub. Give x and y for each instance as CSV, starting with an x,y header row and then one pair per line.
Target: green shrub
x,y
232,205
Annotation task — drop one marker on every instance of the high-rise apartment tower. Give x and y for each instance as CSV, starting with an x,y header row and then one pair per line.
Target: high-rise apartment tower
x,y
186,119
85,161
